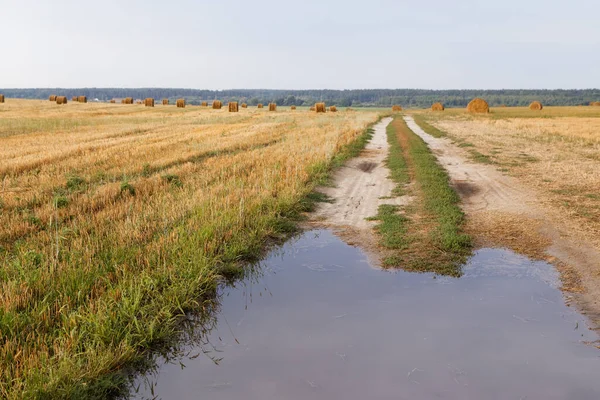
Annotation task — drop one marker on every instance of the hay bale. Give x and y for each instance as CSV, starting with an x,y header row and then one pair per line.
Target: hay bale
x,y
180,103
396,108
149,102
478,106
292,108
216,105
596,104
74,98
437,107
113,101
1,98
61,99
333,109
536,106
320,107
139,102
128,100
244,105
312,109
272,107
82,99
52,97
259,105
204,104
165,102
233,106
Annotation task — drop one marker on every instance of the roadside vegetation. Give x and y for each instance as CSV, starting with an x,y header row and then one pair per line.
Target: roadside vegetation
x,y
554,151
426,235
118,220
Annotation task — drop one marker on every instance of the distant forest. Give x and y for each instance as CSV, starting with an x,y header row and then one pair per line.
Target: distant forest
x,y
415,98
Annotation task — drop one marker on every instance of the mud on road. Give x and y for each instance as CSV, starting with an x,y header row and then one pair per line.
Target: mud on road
x,y
360,187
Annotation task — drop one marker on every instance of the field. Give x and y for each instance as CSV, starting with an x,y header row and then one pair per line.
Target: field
x,y
117,219
551,159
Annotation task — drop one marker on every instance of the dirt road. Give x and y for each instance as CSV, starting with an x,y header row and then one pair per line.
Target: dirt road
x,y
361,186
503,213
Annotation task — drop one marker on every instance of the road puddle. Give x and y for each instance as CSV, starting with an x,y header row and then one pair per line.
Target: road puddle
x,y
317,322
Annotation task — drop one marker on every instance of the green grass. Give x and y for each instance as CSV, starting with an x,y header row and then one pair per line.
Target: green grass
x,y
428,237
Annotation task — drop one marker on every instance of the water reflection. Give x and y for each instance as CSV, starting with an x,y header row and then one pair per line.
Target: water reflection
x,y
317,322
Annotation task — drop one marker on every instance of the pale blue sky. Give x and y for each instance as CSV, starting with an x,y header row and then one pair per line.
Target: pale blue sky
x,y
334,44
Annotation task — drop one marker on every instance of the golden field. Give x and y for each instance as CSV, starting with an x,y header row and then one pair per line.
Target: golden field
x,y
116,219
551,160
555,151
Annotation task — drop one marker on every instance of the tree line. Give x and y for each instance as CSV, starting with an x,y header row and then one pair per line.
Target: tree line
x,y
417,98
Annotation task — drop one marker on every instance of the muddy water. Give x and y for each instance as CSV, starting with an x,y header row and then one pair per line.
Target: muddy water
x,y
320,323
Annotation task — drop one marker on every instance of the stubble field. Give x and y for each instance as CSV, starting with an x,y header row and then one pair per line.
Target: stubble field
x,y
116,219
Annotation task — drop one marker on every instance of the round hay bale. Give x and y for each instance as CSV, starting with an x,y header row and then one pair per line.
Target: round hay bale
x,y
478,106
180,103
437,107
61,99
536,106
139,102
333,109
113,101
233,106
149,102
52,97
165,102
1,98
128,100
320,107
74,98
272,107
216,105
396,108
292,108
313,109
596,104
259,105
82,99
204,104
244,105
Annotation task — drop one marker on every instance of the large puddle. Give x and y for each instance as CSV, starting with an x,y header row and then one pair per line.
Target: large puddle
x,y
320,323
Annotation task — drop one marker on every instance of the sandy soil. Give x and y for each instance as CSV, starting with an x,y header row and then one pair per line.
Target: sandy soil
x,y
361,186
502,212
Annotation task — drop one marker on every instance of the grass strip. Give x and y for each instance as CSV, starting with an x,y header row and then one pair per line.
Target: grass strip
x,y
425,236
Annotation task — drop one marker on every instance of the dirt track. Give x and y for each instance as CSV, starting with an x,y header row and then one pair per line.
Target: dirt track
x,y
361,186
504,213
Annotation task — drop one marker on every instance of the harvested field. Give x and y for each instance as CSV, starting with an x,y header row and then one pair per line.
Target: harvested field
x,y
549,206
103,206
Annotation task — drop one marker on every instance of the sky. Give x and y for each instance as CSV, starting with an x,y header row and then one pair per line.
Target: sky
x,y
307,44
